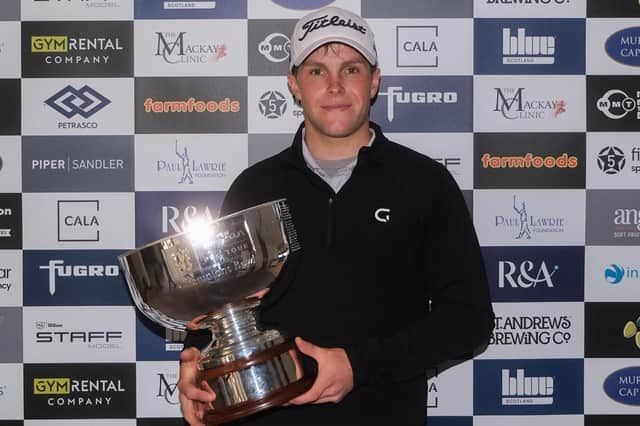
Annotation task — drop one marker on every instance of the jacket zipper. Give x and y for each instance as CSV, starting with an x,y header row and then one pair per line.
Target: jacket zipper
x,y
329,221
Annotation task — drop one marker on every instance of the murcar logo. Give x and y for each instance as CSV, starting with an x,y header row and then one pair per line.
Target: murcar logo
x,y
624,386
624,46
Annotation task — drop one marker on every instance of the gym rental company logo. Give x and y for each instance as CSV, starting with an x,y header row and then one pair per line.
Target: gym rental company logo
x,y
76,391
83,102
404,101
76,48
623,386
510,104
187,169
525,225
275,47
417,46
173,49
528,387
624,46
78,220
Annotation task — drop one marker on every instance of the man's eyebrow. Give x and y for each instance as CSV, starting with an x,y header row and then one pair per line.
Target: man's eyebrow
x,y
345,63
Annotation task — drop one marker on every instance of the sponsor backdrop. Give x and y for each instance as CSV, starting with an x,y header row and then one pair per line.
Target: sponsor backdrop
x,y
123,119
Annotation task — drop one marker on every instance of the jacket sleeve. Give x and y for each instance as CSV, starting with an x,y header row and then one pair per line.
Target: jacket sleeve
x,y
458,318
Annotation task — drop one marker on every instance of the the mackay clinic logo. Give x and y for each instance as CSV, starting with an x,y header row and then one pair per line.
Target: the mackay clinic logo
x,y
188,168
177,48
77,104
402,101
624,46
524,222
512,104
417,46
167,389
78,220
79,391
100,49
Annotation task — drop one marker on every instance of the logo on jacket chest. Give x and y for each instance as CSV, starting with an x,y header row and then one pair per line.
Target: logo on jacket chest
x,y
382,214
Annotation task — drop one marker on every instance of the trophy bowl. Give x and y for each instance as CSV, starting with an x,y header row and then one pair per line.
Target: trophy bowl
x,y
203,279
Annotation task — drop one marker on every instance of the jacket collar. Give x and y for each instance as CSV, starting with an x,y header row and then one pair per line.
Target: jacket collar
x,y
374,153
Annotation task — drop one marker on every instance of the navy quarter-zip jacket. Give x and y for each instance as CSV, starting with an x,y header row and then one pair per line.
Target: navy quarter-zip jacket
x,y
390,270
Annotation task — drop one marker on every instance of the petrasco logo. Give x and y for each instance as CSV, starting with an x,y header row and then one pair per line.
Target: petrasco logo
x,y
523,390
624,386
524,49
624,46
84,101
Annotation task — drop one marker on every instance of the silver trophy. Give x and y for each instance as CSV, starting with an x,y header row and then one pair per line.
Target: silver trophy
x,y
201,279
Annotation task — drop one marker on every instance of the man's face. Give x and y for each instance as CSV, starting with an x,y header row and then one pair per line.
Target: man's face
x,y
335,85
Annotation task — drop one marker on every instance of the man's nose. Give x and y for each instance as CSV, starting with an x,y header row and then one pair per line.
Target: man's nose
x,y
335,83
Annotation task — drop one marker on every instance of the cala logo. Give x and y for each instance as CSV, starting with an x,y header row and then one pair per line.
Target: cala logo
x,y
624,46
624,386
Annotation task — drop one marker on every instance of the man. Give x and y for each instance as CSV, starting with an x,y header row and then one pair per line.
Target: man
x,y
390,281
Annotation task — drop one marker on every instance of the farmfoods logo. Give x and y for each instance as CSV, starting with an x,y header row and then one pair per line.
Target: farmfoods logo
x,y
191,105
528,161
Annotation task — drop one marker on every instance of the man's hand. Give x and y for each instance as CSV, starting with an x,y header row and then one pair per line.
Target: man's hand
x,y
335,377
193,399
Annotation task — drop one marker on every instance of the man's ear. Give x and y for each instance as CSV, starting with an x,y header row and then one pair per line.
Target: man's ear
x,y
294,88
375,83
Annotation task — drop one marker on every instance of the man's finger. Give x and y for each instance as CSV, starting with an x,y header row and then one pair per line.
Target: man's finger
x,y
189,355
306,348
189,412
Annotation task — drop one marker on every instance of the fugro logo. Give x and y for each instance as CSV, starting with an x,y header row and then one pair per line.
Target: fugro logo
x,y
57,268
396,95
624,46
523,390
624,386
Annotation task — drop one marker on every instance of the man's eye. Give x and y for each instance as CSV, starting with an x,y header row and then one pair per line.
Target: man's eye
x,y
315,71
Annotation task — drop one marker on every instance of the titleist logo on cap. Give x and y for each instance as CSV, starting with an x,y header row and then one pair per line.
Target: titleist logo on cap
x,y
325,21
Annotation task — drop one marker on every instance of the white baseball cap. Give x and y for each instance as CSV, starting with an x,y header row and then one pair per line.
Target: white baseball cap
x,y
331,24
